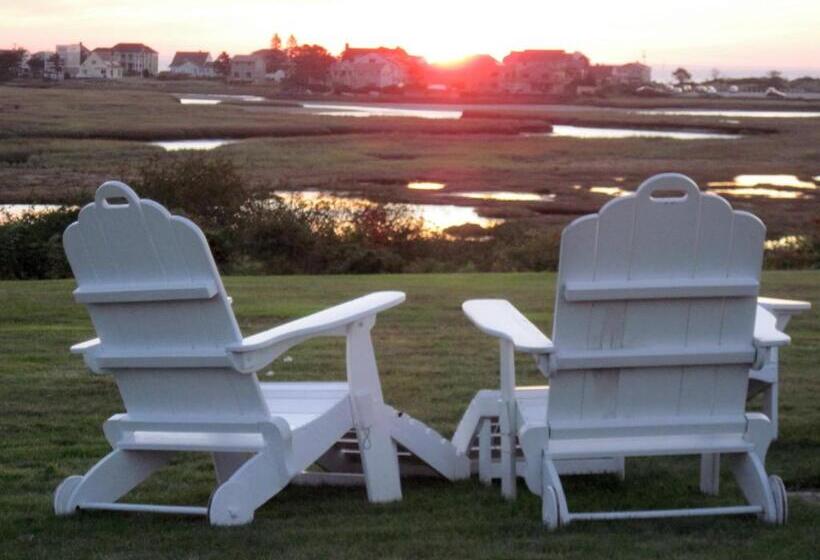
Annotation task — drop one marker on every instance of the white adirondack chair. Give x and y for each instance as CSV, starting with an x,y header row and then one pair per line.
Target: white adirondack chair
x,y
656,328
187,377
479,434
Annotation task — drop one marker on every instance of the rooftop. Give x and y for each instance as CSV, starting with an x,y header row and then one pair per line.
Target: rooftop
x,y
194,57
133,47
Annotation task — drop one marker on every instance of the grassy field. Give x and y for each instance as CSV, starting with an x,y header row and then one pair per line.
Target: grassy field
x,y
55,140
432,362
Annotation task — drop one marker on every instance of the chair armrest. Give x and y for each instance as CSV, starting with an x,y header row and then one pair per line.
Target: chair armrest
x,y
83,347
766,333
791,306
89,350
498,318
783,309
258,350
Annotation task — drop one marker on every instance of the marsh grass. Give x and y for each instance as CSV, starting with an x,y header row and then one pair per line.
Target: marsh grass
x,y
63,138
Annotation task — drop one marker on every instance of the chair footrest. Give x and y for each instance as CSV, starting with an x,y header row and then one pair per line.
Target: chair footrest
x,y
658,513
142,508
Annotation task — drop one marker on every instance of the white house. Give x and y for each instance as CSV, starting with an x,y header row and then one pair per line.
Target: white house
x,y
100,64
247,68
633,73
71,58
374,69
197,64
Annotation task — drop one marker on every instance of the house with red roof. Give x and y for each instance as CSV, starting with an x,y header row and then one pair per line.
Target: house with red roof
x,y
136,59
543,71
480,73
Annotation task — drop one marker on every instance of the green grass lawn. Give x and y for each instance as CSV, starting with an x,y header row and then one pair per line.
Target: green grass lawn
x,y
432,362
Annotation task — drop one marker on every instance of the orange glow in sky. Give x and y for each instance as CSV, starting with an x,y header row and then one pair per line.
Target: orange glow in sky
x,y
722,34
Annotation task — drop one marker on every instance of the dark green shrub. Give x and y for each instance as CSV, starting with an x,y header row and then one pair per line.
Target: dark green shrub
x,y
31,244
204,187
793,251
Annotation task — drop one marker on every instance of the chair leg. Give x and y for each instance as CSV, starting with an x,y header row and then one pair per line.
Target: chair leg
x,y
225,464
554,510
710,473
380,462
770,397
485,452
372,418
258,480
760,432
753,482
508,482
112,477
621,469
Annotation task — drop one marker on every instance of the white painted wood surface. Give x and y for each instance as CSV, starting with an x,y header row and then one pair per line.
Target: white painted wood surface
x,y
766,379
656,328
187,377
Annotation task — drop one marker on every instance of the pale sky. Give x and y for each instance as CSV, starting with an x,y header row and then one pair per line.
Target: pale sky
x,y
734,36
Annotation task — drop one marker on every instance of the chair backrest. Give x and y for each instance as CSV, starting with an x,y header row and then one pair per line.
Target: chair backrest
x,y
159,308
654,315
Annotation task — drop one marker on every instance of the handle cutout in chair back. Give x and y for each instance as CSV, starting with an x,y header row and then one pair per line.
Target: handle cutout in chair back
x,y
668,188
668,193
116,195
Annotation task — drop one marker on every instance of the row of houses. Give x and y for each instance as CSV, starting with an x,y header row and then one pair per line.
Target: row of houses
x,y
520,72
77,61
362,69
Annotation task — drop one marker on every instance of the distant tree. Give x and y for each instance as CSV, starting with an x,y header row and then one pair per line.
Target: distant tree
x,y
10,63
55,61
775,79
222,64
276,42
275,59
715,74
682,75
310,65
36,64
292,43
